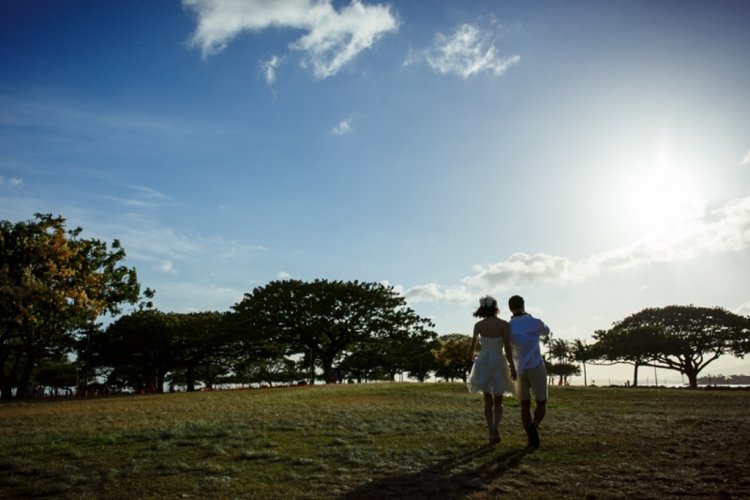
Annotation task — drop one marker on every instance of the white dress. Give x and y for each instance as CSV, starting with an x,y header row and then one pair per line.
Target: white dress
x,y
490,372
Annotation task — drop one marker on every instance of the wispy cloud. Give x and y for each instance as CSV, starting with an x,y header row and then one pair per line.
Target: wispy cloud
x,y
12,182
466,52
138,197
332,39
283,275
344,127
746,159
167,267
151,241
269,68
70,125
726,229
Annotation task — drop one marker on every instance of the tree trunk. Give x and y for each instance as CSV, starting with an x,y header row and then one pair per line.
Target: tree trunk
x,y
692,378
190,378
635,376
327,361
6,385
6,388
23,381
327,371
585,384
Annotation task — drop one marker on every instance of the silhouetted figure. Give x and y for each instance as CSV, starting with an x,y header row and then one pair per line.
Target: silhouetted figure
x,y
525,334
489,373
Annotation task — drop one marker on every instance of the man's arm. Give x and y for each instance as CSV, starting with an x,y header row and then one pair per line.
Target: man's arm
x,y
544,331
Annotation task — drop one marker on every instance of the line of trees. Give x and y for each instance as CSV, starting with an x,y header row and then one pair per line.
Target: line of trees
x,y
55,286
282,332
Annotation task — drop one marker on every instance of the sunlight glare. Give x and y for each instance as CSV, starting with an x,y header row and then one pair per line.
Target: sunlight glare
x,y
662,201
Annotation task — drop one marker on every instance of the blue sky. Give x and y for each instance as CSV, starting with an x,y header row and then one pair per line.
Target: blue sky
x,y
591,156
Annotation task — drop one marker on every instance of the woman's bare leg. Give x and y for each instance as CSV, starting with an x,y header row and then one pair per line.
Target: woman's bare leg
x,y
488,414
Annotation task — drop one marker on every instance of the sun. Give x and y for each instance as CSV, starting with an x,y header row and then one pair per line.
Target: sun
x,y
662,201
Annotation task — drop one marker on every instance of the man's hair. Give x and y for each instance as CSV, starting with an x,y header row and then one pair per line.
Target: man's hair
x,y
515,303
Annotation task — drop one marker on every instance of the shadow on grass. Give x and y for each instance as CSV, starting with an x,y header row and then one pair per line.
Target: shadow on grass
x,y
452,478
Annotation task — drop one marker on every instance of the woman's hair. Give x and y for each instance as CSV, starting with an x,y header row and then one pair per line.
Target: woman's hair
x,y
487,308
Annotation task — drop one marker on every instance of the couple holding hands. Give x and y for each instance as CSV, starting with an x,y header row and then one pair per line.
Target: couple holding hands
x,y
493,375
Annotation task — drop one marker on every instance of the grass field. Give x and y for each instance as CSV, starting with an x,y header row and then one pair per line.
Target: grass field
x,y
376,441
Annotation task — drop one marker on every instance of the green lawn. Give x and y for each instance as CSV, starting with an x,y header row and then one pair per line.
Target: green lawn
x,y
376,441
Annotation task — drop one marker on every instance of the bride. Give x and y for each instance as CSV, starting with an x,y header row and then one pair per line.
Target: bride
x,y
490,374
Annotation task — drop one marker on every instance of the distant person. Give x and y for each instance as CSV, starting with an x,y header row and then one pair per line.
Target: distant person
x,y
489,373
525,334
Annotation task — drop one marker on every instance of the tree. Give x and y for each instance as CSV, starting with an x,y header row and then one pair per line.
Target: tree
x,y
559,349
142,345
202,343
564,370
452,359
635,345
386,357
324,319
581,354
365,361
684,338
52,284
419,360
57,373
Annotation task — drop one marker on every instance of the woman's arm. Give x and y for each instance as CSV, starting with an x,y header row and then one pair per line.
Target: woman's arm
x,y
473,347
509,351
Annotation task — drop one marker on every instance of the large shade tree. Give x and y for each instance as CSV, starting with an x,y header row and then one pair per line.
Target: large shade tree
x,y
324,320
682,338
636,345
53,284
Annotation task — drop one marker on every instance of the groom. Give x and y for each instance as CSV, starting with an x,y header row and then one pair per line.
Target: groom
x,y
525,333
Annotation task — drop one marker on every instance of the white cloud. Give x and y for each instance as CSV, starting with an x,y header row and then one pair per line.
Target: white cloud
x,y
433,292
332,39
283,275
746,159
726,229
13,182
466,52
269,70
344,127
743,309
167,267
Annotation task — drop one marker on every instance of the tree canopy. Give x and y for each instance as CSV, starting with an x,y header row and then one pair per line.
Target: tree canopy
x,y
452,356
325,320
53,283
682,338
